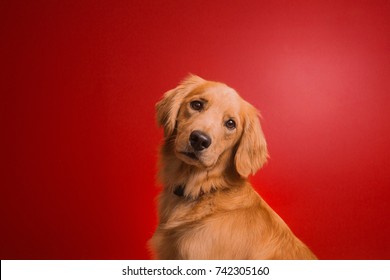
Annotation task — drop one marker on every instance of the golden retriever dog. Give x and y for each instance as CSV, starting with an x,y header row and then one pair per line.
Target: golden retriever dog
x,y
207,208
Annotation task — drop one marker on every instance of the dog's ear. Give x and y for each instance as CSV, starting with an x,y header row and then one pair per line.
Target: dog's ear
x,y
252,150
168,107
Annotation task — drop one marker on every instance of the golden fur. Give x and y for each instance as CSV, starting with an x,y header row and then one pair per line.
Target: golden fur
x,y
218,215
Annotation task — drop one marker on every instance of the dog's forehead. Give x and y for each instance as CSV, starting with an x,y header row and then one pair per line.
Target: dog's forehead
x,y
217,93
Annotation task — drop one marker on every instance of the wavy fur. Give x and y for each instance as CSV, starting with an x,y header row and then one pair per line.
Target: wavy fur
x,y
219,215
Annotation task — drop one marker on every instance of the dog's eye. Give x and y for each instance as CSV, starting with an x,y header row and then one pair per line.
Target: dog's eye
x,y
197,105
230,124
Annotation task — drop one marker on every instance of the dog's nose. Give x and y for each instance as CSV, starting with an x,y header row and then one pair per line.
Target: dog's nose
x,y
199,140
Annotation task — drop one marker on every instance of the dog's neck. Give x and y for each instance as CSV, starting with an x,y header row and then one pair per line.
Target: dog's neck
x,y
183,180
179,190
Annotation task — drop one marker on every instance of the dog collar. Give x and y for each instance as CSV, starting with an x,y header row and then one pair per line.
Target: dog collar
x,y
179,191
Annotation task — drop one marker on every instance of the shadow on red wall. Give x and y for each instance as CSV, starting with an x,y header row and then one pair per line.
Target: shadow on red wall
x,y
79,141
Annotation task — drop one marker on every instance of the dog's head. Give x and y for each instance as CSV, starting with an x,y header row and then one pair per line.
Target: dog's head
x,y
207,120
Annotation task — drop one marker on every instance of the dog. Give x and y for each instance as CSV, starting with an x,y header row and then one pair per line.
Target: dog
x,y
207,208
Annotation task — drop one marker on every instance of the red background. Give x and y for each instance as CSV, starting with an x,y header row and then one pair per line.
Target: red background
x,y
79,80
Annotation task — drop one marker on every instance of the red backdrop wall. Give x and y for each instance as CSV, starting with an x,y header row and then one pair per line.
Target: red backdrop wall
x,y
79,80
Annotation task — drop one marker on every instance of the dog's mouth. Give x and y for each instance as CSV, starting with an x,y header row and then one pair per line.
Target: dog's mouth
x,y
195,158
191,155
